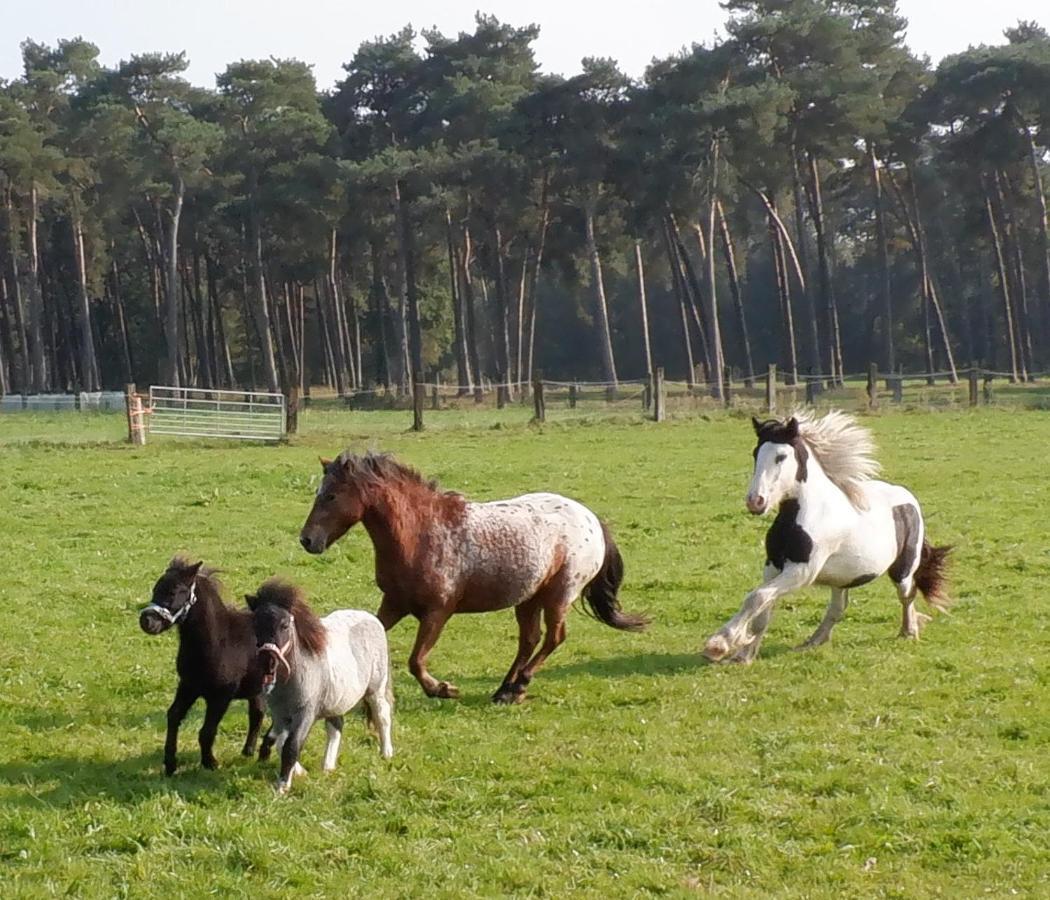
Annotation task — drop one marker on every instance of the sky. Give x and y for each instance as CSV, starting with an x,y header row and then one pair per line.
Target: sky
x,y
326,32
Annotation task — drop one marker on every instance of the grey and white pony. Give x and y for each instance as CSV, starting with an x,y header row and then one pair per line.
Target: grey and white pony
x,y
836,525
318,669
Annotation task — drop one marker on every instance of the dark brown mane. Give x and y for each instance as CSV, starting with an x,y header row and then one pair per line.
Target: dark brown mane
x,y
374,469
207,577
308,627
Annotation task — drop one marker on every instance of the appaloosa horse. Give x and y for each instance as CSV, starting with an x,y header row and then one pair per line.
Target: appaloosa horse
x,y
836,526
217,658
437,554
318,669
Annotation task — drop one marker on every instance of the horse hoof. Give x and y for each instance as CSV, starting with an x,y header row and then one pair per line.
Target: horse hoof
x,y
508,698
446,691
715,649
210,764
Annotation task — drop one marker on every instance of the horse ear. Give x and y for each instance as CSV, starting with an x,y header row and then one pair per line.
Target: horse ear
x,y
325,463
756,425
251,600
191,571
791,426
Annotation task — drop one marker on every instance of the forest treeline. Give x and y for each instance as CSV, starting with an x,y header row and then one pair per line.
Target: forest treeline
x,y
805,191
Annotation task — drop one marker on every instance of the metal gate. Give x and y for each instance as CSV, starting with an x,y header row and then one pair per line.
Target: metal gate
x,y
197,412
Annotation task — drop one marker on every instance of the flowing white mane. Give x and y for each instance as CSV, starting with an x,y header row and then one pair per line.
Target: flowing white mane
x,y
844,449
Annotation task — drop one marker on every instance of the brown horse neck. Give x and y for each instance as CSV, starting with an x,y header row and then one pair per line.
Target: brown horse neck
x,y
397,515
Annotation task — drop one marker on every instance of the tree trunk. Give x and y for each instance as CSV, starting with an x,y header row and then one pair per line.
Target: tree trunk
x,y
262,303
602,309
333,319
86,339
889,359
24,380
502,312
827,290
678,286
1044,240
693,293
1020,288
808,299
171,370
464,377
127,369
412,342
519,323
789,350
734,289
381,305
1004,285
534,281
717,353
36,301
469,314
643,309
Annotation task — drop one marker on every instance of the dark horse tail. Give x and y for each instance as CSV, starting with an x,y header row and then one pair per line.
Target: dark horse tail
x,y
932,575
599,595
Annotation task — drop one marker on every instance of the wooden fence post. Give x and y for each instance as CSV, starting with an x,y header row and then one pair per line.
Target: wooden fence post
x,y
418,398
727,386
647,392
898,386
538,404
973,385
501,391
658,395
435,396
574,390
771,388
129,394
873,386
811,391
291,409
987,388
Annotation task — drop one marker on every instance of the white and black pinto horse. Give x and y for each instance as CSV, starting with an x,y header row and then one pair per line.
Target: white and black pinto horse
x,y
836,525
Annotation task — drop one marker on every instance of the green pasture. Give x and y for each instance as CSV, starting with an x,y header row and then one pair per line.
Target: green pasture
x,y
871,767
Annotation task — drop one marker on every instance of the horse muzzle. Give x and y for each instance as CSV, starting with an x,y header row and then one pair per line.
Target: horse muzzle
x,y
756,504
313,543
152,623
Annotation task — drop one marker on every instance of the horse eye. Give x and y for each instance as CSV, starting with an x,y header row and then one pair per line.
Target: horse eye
x,y
781,457
328,498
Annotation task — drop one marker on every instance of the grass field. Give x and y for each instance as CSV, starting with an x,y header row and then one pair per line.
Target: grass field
x,y
869,768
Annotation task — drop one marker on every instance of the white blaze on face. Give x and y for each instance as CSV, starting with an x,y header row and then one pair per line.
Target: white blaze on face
x,y
775,471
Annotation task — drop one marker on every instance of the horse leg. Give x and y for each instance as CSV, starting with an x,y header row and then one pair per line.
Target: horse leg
x,y
832,616
528,616
333,726
390,612
747,625
554,625
912,621
747,653
429,631
256,712
216,709
292,747
268,742
185,697
380,703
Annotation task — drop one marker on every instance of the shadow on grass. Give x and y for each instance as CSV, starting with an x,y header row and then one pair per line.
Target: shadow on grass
x,y
67,780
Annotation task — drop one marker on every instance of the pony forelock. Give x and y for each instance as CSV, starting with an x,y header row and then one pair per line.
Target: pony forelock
x,y
308,627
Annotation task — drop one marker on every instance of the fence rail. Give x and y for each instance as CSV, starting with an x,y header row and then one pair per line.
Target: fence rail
x,y
239,415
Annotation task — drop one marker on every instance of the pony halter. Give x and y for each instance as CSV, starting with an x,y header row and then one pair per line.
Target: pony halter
x,y
174,618
279,652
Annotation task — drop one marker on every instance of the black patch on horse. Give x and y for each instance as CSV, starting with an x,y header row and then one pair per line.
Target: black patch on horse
x,y
773,431
786,540
906,523
860,579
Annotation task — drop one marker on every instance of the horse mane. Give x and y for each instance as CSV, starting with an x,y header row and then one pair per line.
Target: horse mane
x,y
308,627
844,448
373,469
207,577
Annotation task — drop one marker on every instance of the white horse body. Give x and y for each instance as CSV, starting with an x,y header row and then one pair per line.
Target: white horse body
x,y
861,541
354,666
836,526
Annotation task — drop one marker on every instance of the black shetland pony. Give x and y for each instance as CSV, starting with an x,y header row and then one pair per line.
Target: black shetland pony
x,y
217,658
